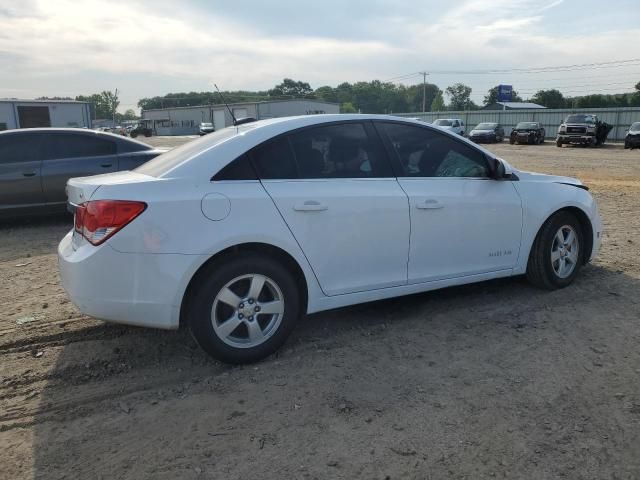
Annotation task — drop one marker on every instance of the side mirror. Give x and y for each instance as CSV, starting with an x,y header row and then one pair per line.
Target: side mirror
x,y
498,170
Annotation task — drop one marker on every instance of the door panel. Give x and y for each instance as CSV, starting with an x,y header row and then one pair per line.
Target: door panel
x,y
354,232
461,227
73,155
462,222
20,171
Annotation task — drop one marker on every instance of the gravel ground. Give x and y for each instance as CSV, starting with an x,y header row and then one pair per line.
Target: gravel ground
x,y
494,380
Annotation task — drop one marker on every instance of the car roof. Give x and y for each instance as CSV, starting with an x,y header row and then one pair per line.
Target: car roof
x,y
75,131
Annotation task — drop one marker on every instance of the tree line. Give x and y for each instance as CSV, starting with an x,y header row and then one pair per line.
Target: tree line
x,y
384,97
365,97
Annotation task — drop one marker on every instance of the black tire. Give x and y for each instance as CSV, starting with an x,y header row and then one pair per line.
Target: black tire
x,y
511,141
147,134
559,143
540,271
134,134
212,281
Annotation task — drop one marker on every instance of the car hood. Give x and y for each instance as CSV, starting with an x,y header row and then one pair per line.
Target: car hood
x,y
634,132
525,176
482,131
444,127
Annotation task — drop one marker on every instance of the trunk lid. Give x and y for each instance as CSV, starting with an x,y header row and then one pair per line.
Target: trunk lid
x,y
81,189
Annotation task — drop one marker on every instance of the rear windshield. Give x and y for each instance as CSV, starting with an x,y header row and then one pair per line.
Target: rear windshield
x,y
443,123
167,161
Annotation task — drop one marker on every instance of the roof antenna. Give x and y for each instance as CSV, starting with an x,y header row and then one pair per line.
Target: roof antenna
x,y
235,122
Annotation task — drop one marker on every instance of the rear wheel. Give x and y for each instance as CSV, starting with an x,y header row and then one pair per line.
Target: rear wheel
x,y
559,143
244,310
556,255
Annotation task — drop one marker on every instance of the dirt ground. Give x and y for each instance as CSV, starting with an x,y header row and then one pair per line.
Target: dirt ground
x,y
494,380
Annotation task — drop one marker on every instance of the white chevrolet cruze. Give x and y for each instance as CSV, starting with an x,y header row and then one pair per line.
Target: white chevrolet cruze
x,y
236,235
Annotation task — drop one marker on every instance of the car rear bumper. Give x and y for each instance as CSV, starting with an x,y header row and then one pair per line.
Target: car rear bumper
x,y
135,289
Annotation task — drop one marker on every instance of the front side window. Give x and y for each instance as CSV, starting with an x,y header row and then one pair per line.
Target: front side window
x,y
339,151
423,152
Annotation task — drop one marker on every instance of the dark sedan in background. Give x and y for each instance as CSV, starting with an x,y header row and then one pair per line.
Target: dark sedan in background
x,y
35,164
487,132
527,132
632,138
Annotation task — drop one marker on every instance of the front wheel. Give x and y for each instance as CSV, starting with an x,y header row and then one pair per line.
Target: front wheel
x,y
558,143
244,309
557,252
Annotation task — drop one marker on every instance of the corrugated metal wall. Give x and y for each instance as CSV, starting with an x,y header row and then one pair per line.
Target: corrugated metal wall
x,y
620,118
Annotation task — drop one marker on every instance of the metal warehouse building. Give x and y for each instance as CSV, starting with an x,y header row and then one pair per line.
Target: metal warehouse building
x,y
43,113
185,120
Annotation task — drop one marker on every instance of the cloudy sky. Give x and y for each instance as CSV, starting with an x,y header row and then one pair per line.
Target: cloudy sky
x,y
147,48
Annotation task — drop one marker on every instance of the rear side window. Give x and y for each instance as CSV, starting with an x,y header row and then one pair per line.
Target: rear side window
x,y
423,152
127,146
339,151
274,160
19,148
57,146
239,169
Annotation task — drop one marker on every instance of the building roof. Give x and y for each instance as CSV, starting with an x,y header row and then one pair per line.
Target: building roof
x,y
516,105
24,100
218,105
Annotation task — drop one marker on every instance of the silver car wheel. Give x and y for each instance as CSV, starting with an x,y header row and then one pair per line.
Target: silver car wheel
x,y
247,311
565,251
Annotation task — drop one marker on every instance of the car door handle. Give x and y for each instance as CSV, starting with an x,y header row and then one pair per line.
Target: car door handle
x,y
430,204
106,165
310,206
28,174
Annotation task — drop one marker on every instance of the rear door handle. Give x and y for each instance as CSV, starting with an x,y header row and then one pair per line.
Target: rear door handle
x,y
429,204
310,206
28,174
106,165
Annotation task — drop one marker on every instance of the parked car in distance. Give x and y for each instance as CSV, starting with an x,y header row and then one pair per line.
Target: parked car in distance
x,y
582,129
36,163
454,125
205,128
238,234
487,132
632,138
527,132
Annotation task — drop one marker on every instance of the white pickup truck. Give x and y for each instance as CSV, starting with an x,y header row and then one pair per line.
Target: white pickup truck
x,y
455,125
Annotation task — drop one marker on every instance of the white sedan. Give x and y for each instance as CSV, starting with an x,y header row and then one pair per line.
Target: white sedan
x,y
239,233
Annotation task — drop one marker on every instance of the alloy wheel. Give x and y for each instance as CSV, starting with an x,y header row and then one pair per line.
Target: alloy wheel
x,y
247,311
565,251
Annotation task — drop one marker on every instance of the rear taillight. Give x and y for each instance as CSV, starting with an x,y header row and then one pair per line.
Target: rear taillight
x,y
100,219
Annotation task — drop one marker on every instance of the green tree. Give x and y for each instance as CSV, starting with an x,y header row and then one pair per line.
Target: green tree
x,y
347,107
437,105
550,98
492,96
460,95
327,94
291,88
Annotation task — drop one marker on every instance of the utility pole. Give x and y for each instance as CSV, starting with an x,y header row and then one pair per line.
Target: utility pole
x,y
113,106
424,91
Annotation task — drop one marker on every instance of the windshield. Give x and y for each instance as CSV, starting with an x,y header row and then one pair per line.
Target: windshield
x,y
167,161
635,126
525,125
443,123
580,119
206,124
486,126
